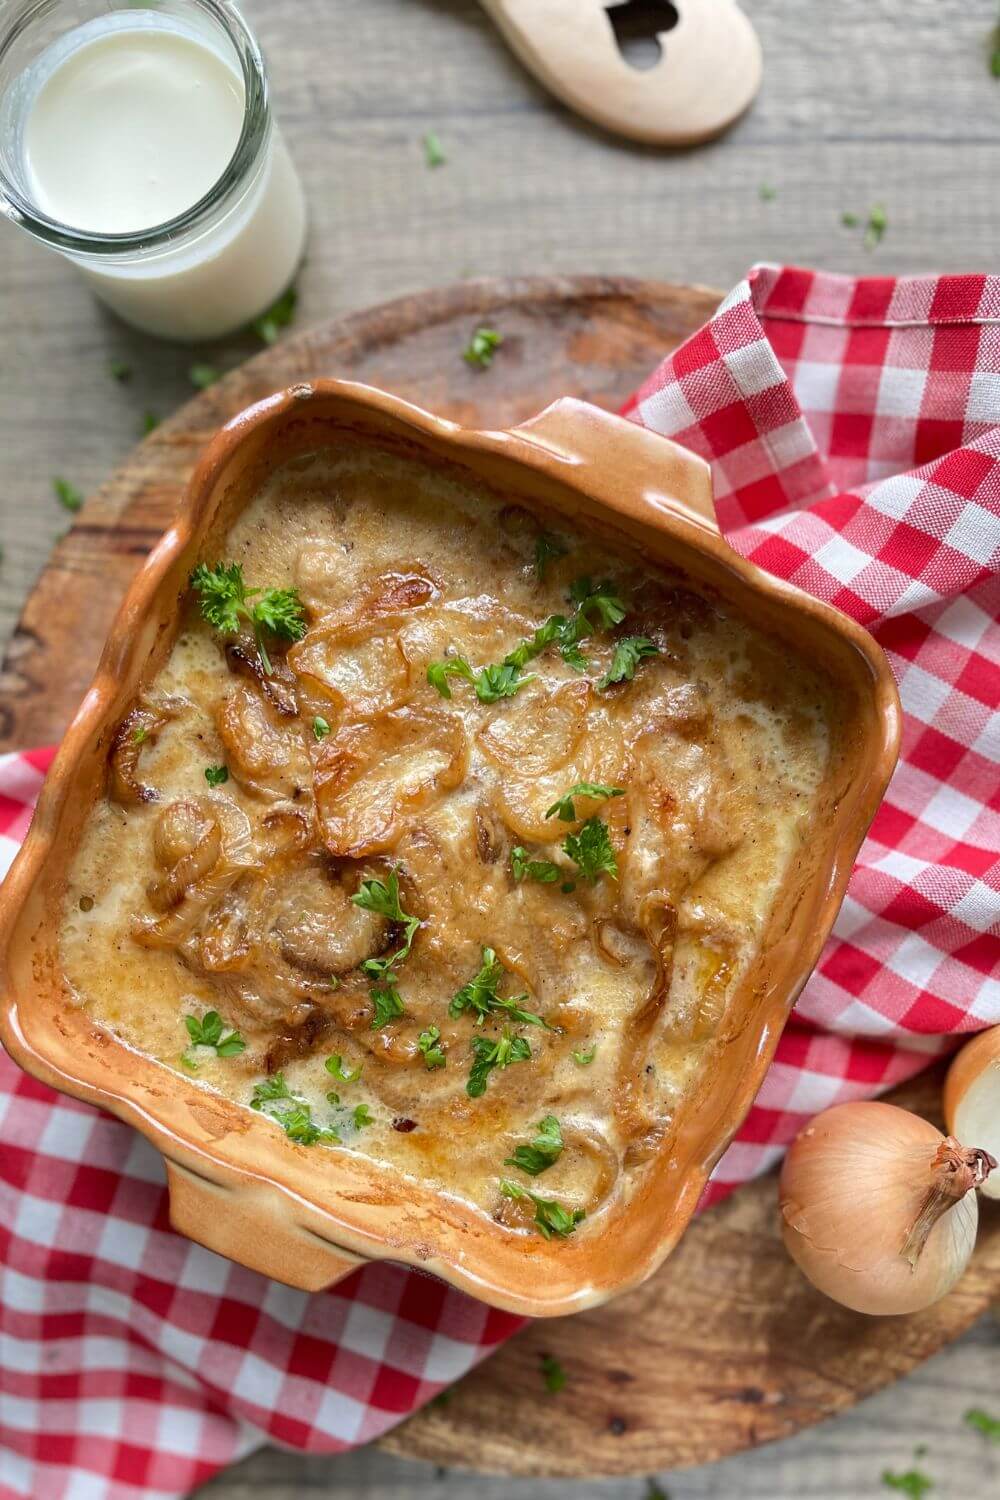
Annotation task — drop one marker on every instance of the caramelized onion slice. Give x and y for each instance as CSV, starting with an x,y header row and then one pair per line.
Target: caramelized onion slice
x,y
374,774
278,685
140,727
539,730
265,754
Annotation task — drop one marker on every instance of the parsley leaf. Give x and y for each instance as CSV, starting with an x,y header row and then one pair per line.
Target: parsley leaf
x,y
202,376
522,867
433,154
216,775
482,346
654,1491
553,1374
387,1002
67,494
767,193
583,1059
277,316
428,1041
362,1116
320,728
503,681
480,995
209,1031
119,370
335,1066
225,599
592,850
150,422
543,1152
564,807
984,1423
599,599
876,226
551,1218
140,734
849,220
488,1055
274,1098
548,548
382,898
439,671
629,652
912,1483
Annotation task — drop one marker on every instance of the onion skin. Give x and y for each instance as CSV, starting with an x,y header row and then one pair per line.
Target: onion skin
x,y
878,1210
972,1097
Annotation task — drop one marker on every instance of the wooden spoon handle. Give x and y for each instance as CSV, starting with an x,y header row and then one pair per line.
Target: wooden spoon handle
x,y
708,74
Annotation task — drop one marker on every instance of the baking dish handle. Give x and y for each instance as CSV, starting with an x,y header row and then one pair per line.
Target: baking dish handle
x,y
251,1225
628,466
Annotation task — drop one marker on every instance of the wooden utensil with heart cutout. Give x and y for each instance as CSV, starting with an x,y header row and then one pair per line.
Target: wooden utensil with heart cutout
x,y
708,72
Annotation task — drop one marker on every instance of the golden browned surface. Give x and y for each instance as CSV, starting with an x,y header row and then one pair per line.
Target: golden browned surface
x,y
239,898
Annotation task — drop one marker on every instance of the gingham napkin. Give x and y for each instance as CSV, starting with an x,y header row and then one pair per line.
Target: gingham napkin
x,y
854,432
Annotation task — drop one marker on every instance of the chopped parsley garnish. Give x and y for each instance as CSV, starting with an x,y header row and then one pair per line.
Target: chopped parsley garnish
x,y
320,727
150,422
984,1423
551,1218
275,1099
995,54
433,1054
488,1055
849,220
583,1059
119,370
523,868
362,1116
480,995
216,775
876,226
225,600
548,549
766,193
138,735
544,1150
629,652
433,154
596,606
655,1491
202,376
382,898
209,1031
912,1483
278,316
564,808
335,1066
553,1374
592,850
481,347
67,494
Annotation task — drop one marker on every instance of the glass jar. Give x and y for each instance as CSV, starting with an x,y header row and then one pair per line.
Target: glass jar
x,y
210,268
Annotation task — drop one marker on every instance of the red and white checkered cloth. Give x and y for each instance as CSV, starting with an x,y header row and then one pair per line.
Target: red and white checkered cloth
x,y
854,433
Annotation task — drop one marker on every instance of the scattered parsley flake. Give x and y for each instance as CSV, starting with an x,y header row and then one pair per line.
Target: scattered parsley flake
x,y
766,193
654,1491
225,600
583,1059
629,652
553,1374
320,728
523,868
876,226
433,1054
335,1067
543,1152
564,809
138,735
67,494
382,898
274,1098
209,1031
912,1483
119,370
216,775
488,1055
202,376
982,1422
150,422
387,1002
362,1116
849,220
480,995
433,154
482,347
592,850
439,671
278,316
548,548
551,1218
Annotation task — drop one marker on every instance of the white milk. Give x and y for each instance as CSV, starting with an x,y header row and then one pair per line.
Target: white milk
x,y
130,128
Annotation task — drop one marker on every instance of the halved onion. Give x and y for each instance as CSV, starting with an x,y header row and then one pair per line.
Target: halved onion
x,y
972,1098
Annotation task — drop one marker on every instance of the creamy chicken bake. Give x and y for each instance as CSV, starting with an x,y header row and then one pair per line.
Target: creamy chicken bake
x,y
444,835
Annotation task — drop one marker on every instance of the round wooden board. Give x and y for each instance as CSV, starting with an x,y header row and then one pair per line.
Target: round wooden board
x,y
727,1346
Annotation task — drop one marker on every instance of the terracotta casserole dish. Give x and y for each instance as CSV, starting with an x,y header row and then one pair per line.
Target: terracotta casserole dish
x,y
238,1185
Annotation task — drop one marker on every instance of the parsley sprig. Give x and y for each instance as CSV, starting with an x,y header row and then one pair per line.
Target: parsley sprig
x,y
548,548
488,1055
429,1043
544,1150
629,652
225,600
481,347
335,1067
275,1099
210,1031
553,1374
592,850
552,1220
981,1420
564,808
523,868
480,995
382,898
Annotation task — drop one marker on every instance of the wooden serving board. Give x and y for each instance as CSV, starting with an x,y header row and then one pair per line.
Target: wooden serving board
x,y
727,1346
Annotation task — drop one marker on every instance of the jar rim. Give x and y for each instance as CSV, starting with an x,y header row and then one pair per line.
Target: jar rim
x,y
253,138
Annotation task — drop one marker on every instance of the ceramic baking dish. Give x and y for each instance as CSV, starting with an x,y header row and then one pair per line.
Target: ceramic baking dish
x,y
236,1184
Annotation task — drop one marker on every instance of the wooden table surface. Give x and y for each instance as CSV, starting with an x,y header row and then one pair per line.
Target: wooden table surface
x,y
864,102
